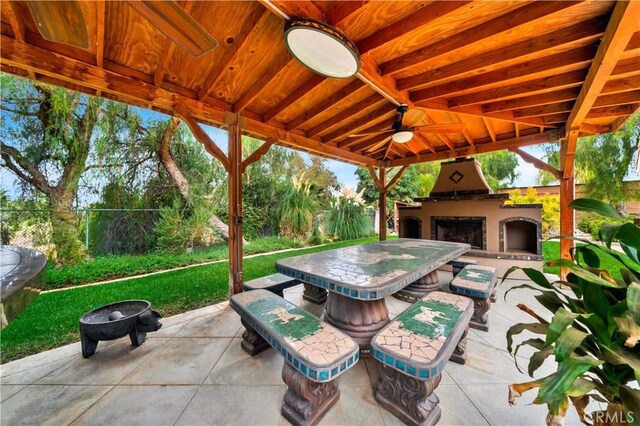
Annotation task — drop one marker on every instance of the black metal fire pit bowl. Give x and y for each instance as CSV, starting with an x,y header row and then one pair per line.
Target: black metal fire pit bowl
x,y
132,317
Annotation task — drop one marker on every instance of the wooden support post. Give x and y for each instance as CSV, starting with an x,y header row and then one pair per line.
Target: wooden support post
x,y
567,193
235,202
382,206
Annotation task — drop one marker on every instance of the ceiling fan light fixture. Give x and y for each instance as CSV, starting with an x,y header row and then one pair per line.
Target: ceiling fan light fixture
x,y
402,136
321,48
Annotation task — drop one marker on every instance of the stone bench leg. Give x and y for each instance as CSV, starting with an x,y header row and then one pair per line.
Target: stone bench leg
x,y
305,401
252,342
420,288
480,318
459,355
409,399
494,294
314,294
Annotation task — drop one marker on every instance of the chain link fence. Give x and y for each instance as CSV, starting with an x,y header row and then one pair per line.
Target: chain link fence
x,y
103,231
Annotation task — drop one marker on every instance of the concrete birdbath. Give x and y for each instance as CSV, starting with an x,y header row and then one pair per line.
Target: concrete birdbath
x,y
132,317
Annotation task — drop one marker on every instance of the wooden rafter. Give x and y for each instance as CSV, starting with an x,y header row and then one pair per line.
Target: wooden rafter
x,y
17,25
622,25
280,65
533,139
256,20
101,16
353,110
490,130
583,32
537,163
299,92
343,10
531,101
362,122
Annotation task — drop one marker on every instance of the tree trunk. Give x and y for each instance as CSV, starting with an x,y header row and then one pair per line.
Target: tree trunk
x,y
170,165
64,230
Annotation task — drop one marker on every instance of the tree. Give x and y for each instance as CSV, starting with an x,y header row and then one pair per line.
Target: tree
x,y
499,168
46,142
602,162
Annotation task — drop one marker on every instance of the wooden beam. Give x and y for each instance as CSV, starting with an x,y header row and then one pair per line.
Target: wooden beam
x,y
516,128
582,32
280,65
533,139
348,90
258,153
544,84
616,99
202,137
343,10
490,130
614,111
537,163
567,153
363,145
378,127
17,25
287,9
620,29
256,20
234,130
544,109
396,177
299,92
420,18
355,125
576,59
541,99
350,112
622,84
621,121
374,178
101,16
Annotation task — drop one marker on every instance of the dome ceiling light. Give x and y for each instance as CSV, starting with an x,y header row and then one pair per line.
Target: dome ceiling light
x,y
321,48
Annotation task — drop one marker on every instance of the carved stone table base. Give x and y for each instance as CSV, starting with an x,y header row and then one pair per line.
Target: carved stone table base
x,y
420,288
494,295
306,402
409,399
480,318
313,294
360,319
459,355
252,343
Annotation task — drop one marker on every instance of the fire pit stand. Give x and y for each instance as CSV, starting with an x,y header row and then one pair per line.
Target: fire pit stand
x,y
132,317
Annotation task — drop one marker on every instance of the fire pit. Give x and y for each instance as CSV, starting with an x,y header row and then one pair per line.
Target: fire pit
x,y
132,317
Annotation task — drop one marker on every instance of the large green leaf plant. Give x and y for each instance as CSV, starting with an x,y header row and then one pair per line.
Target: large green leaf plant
x,y
594,332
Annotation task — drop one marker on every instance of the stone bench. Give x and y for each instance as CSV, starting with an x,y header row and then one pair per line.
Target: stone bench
x,y
458,264
412,351
478,283
275,283
314,352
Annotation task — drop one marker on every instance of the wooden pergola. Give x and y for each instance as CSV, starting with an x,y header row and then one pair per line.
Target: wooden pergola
x,y
516,73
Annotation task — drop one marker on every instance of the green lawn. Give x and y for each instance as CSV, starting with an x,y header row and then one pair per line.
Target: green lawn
x,y
111,267
551,251
52,319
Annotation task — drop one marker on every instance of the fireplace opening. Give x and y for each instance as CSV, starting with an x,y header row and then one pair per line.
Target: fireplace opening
x,y
410,227
470,230
521,235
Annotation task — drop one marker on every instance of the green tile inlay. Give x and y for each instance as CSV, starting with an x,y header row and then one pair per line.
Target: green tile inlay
x,y
289,322
430,318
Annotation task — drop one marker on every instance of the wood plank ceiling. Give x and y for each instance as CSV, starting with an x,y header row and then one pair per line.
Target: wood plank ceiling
x,y
511,71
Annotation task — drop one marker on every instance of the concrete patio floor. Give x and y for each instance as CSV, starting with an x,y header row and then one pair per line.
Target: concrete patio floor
x,y
193,372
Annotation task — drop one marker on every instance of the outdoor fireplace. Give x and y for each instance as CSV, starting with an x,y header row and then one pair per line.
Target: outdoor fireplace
x,y
463,208
470,230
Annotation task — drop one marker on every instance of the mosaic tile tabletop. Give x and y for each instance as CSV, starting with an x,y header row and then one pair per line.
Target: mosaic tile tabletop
x,y
371,271
420,341
314,348
474,281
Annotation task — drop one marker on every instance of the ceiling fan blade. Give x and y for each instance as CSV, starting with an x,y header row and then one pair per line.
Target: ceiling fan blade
x,y
378,145
359,135
413,117
60,21
175,23
442,128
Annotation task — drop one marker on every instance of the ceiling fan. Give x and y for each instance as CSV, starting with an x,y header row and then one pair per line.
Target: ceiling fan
x,y
406,125
63,22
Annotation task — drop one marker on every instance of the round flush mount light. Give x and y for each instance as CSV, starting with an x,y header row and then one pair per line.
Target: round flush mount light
x,y
402,136
322,48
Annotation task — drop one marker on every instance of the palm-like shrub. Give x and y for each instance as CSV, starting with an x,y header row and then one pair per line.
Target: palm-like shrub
x,y
296,211
348,217
594,334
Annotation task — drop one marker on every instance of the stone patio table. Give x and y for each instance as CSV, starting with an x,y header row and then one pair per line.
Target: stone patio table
x,y
358,279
